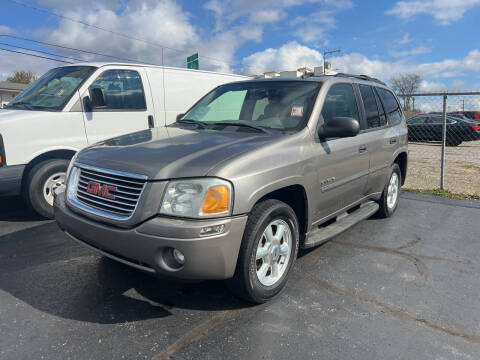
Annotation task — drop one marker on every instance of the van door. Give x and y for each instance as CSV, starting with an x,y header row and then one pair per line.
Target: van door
x,y
128,105
342,164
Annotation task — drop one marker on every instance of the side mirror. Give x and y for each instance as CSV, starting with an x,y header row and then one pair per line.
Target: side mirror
x,y
179,116
339,127
98,97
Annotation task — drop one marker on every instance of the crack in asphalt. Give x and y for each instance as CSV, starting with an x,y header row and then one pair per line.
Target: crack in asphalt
x,y
197,333
393,310
419,264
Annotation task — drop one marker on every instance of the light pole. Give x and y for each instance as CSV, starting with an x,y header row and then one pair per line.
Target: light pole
x,y
325,53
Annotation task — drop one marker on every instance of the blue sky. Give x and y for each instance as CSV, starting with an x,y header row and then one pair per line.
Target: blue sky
x,y
435,38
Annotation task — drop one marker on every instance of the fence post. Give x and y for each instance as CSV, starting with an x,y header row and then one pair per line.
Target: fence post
x,y
444,137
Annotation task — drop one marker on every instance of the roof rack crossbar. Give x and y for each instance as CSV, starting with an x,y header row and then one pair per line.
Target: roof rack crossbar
x,y
362,77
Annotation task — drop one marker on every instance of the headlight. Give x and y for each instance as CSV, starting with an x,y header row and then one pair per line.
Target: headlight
x,y
197,198
71,164
73,182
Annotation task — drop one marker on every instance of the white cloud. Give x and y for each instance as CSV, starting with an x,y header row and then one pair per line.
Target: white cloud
x,y
432,86
157,23
293,55
290,56
267,15
410,52
11,62
5,30
458,85
313,28
405,39
444,11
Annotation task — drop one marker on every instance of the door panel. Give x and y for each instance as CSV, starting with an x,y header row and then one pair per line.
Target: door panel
x,y
342,163
342,173
128,105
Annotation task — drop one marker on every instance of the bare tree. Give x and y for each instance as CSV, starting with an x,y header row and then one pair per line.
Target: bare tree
x,y
404,84
23,77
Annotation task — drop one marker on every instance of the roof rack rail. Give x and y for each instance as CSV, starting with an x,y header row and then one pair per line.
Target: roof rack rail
x,y
362,77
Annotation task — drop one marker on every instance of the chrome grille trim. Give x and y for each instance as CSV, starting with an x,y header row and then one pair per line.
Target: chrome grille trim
x,y
127,196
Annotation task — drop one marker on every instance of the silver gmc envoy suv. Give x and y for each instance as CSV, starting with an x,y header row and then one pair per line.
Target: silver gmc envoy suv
x,y
252,172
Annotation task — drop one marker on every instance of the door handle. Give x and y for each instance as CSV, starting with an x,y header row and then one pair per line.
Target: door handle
x,y
362,148
150,122
393,140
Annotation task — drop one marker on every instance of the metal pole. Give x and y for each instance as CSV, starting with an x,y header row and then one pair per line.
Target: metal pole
x,y
444,137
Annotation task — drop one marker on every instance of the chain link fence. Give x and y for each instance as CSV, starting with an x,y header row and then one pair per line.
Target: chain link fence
x,y
444,141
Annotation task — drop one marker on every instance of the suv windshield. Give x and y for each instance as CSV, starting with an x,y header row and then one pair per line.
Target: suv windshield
x,y
275,105
52,90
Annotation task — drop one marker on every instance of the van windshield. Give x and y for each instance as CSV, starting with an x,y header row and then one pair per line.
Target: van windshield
x,y
52,90
267,105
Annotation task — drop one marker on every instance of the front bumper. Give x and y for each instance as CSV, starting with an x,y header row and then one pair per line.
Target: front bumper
x,y
148,246
11,179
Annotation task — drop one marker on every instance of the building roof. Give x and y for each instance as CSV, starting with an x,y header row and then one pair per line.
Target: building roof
x,y
7,85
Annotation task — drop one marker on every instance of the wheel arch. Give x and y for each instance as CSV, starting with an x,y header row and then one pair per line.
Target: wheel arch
x,y
65,154
296,197
402,161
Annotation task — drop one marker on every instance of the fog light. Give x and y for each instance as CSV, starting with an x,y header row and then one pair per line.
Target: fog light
x,y
211,230
178,256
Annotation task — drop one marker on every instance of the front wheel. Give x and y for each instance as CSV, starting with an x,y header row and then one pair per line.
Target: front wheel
x,y
42,181
391,193
268,251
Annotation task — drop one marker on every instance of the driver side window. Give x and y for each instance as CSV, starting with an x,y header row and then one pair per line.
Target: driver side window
x,y
340,102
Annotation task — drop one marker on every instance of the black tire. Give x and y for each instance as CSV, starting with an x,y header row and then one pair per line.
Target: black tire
x,y
385,211
37,177
245,283
453,142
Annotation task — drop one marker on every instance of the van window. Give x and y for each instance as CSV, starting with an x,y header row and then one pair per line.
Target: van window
x,y
371,108
123,89
392,107
340,102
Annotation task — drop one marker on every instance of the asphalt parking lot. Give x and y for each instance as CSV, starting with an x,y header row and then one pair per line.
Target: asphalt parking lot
x,y
400,288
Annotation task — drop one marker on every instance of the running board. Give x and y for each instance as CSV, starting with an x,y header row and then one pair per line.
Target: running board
x,y
343,222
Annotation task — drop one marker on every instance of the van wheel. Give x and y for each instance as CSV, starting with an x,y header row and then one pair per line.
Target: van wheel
x,y
42,180
268,251
391,193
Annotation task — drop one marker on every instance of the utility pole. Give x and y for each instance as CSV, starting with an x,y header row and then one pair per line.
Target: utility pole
x,y
325,53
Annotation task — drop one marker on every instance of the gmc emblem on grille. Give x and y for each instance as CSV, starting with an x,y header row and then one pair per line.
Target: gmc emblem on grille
x,y
101,190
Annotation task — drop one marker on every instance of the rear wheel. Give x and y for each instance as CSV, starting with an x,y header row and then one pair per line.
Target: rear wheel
x,y
391,193
268,252
42,181
453,142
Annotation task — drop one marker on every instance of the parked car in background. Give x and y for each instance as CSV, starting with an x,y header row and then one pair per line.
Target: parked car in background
x,y
252,172
429,127
71,107
471,114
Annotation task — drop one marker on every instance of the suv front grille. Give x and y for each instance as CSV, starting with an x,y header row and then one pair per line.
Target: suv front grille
x,y
108,193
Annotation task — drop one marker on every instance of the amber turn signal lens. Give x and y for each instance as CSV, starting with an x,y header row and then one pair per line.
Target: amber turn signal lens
x,y
216,200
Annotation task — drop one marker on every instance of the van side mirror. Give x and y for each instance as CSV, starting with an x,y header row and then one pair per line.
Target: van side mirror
x,y
339,127
98,97
179,116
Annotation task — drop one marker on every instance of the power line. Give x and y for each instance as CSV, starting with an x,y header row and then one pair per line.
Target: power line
x,y
38,56
40,51
111,31
69,48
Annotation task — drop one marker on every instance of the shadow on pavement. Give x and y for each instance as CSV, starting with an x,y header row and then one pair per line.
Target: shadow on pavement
x,y
15,209
45,269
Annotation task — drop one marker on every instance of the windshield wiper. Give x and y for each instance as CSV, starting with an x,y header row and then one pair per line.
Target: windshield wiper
x,y
201,124
21,103
262,129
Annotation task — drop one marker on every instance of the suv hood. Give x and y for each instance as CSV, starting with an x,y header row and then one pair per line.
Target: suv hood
x,y
171,152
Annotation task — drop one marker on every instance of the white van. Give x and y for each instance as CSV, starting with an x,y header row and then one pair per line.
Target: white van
x,y
71,107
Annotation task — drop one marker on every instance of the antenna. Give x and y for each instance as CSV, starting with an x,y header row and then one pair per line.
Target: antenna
x,y
325,53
